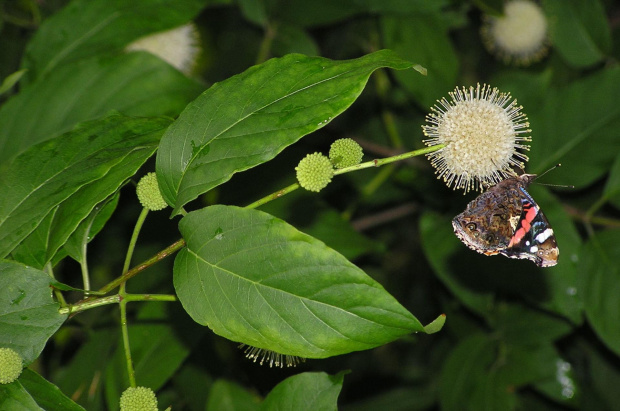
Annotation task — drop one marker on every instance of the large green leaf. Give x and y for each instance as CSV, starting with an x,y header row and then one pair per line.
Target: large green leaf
x,y
248,119
579,30
599,276
423,38
228,396
308,391
86,28
612,187
439,243
482,372
46,394
578,126
71,174
28,314
254,279
136,84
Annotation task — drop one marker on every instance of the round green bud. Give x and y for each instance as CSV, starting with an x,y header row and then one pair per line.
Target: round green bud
x,y
11,365
138,399
314,172
345,152
148,193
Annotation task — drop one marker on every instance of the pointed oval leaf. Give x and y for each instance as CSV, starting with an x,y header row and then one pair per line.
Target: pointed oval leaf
x,y
307,391
598,284
86,28
248,119
255,279
28,314
76,170
136,84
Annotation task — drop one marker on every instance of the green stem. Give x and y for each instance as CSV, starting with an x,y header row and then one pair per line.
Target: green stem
x,y
134,238
273,196
125,331
265,45
88,304
368,164
144,265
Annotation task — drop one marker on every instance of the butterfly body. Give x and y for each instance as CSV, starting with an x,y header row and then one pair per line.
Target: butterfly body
x,y
506,220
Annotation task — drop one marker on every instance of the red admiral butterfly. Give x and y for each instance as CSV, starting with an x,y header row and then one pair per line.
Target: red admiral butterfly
x,y
506,220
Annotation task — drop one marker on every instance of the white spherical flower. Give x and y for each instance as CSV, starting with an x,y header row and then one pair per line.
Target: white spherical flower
x,y
520,35
483,131
179,47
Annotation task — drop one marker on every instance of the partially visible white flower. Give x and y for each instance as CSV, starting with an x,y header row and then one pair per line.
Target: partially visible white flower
x,y
179,47
520,35
482,130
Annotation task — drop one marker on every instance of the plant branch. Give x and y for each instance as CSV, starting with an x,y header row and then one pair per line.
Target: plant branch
x,y
368,164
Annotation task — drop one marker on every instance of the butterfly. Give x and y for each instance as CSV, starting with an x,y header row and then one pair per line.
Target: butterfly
x,y
506,220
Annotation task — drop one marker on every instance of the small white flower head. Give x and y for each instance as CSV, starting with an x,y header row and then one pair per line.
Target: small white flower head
x,y
520,36
314,172
11,365
179,47
138,399
483,131
345,152
148,193
270,357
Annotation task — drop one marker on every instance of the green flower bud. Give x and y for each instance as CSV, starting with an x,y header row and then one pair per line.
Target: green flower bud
x,y
148,193
345,152
11,365
314,172
138,399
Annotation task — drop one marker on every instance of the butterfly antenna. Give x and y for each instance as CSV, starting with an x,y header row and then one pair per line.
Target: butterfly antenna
x,y
553,185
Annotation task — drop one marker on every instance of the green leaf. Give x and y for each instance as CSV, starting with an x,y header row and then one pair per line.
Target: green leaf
x,y
579,30
252,278
89,228
308,391
28,314
81,375
483,373
424,39
46,394
73,172
14,397
248,119
337,233
228,396
578,126
86,28
612,187
436,325
599,275
464,370
11,80
136,84
525,327
157,347
439,243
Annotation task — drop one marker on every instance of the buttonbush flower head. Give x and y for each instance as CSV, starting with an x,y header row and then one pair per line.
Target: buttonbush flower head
x,y
148,193
483,133
345,152
179,47
314,172
11,365
520,35
270,357
138,399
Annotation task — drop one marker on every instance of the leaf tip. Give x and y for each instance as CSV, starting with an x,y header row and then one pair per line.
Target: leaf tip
x,y
420,69
436,325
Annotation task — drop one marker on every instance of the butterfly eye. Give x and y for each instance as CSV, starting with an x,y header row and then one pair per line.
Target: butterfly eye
x,y
471,226
489,238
